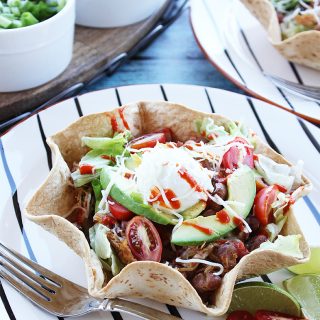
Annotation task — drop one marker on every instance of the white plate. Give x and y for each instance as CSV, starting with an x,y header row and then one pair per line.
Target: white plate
x,y
237,45
26,160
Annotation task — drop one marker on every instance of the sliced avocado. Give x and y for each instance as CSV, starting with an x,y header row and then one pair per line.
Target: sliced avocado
x,y
241,188
133,162
133,202
194,211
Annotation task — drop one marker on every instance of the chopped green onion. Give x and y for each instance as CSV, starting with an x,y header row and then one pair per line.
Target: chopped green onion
x,y
23,13
28,19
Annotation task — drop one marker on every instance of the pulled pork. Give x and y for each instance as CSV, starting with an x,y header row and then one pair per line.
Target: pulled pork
x,y
121,248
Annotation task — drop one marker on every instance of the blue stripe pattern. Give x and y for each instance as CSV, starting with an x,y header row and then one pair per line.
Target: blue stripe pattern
x,y
6,169
15,201
312,208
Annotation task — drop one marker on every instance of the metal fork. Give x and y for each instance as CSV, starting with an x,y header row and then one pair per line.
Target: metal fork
x,y
301,90
60,296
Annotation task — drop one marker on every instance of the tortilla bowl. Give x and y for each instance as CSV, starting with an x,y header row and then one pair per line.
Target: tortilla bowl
x,y
54,199
302,48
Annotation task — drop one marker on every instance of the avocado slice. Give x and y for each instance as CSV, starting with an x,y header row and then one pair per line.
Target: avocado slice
x,y
194,211
242,188
133,201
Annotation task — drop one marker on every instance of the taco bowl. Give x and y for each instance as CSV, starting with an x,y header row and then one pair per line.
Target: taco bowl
x,y
52,203
302,47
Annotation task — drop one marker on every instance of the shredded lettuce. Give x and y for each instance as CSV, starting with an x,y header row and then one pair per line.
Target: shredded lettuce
x,y
290,28
223,134
96,186
104,150
96,159
99,241
208,128
273,229
278,173
285,5
101,246
111,146
288,245
81,179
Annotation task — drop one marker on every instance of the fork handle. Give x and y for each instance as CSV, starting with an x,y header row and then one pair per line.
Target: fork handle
x,y
138,310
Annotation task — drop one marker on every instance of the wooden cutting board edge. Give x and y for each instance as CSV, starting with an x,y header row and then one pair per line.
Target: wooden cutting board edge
x,y
93,48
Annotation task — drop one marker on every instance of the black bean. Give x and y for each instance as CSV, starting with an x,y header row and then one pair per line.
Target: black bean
x,y
207,164
255,242
220,190
253,222
243,235
227,254
206,281
209,212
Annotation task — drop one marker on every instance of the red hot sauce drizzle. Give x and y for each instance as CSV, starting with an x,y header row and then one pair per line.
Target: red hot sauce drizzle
x,y
124,121
128,175
290,203
200,228
223,217
114,123
156,194
238,223
107,157
189,179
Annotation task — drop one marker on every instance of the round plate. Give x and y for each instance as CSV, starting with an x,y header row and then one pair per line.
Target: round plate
x,y
237,45
26,161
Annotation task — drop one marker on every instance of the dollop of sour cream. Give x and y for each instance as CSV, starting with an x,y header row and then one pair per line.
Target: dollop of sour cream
x,y
174,169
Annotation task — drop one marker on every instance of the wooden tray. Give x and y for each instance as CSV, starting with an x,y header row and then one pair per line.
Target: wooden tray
x,y
93,48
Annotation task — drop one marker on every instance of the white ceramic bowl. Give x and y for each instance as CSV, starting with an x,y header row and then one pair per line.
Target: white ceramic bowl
x,y
114,13
34,55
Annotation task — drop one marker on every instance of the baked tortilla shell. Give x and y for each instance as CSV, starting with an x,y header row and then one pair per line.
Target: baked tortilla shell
x,y
55,198
302,48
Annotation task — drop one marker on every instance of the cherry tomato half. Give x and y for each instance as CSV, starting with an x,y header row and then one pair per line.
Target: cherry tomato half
x,y
262,203
86,169
168,133
118,210
150,140
240,315
231,158
270,315
143,239
108,221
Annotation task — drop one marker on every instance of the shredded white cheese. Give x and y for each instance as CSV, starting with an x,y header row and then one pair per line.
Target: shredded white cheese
x,y
209,263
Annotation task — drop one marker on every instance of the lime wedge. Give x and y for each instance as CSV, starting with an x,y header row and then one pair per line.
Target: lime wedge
x,y
306,289
312,266
253,296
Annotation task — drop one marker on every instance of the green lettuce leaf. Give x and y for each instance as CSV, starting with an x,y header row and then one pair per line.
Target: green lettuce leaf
x,y
288,245
102,247
95,158
82,179
110,146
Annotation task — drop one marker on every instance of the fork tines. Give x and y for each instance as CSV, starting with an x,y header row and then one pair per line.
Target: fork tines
x,y
35,281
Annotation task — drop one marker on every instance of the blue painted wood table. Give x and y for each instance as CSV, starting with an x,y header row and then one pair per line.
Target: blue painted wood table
x,y
174,57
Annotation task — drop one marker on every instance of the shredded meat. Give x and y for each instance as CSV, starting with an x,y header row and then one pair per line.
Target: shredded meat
x,y
194,253
121,248
307,20
81,211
